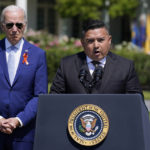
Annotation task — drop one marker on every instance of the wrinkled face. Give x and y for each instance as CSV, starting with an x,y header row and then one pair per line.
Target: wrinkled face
x,y
14,26
96,43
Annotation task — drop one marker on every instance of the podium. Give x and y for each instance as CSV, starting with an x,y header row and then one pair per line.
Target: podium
x,y
129,125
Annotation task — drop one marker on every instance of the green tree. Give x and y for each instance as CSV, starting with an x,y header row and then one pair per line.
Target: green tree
x,y
123,7
92,8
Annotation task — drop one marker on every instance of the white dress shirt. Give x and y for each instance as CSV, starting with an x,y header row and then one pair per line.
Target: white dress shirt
x,y
91,66
17,53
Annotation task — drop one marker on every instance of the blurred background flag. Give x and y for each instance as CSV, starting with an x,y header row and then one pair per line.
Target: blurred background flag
x,y
135,34
147,42
142,30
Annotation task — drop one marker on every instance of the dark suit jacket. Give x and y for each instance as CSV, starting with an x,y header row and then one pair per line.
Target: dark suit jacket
x,y
20,99
119,76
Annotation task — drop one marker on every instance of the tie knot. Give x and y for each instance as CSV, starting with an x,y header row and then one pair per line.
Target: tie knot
x,y
13,48
95,63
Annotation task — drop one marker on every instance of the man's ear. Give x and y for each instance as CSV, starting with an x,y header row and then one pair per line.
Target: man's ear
x,y
25,27
82,42
110,38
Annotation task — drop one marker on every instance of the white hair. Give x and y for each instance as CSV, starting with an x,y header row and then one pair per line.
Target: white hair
x,y
12,8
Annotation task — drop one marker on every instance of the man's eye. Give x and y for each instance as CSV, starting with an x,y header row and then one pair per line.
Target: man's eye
x,y
100,40
90,41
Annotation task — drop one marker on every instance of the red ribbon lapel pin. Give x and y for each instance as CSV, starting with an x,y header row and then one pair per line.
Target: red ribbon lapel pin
x,y
25,57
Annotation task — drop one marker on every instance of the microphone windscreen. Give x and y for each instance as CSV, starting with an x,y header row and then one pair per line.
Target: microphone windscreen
x,y
82,74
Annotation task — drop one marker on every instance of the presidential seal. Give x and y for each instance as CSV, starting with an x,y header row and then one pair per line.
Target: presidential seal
x,y
88,125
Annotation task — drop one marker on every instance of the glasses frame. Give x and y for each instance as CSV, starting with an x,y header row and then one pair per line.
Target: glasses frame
x,y
10,25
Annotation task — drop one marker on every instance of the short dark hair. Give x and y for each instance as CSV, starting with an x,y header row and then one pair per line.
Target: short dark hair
x,y
92,24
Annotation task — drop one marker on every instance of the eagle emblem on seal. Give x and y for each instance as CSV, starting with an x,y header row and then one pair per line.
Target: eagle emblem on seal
x,y
88,125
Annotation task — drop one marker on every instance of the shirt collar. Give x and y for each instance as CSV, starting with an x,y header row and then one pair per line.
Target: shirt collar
x,y
102,61
8,44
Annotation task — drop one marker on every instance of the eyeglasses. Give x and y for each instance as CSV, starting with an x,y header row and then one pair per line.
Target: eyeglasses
x,y
10,25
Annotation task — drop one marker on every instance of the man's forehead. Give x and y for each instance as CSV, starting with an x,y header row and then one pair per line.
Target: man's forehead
x,y
14,15
100,32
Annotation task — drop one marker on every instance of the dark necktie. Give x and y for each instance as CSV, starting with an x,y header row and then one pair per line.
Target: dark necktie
x,y
95,63
97,74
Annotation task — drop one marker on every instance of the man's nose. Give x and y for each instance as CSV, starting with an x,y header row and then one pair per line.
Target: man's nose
x,y
14,28
96,44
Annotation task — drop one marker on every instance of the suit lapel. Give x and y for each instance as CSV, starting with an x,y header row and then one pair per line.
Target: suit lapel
x,y
3,62
82,64
20,65
108,70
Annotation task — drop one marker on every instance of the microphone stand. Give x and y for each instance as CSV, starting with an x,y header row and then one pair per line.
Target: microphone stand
x,y
97,75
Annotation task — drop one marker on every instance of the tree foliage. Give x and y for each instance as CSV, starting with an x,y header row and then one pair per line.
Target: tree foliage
x,y
123,7
93,8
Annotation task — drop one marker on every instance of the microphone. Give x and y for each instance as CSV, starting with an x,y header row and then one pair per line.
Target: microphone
x,y
82,78
82,75
97,74
96,77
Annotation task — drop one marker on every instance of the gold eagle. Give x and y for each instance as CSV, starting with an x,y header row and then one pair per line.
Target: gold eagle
x,y
93,123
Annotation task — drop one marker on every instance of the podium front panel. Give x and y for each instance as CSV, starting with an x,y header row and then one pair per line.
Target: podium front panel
x,y
129,127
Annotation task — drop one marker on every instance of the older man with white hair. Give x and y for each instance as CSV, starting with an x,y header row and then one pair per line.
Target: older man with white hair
x,y
23,76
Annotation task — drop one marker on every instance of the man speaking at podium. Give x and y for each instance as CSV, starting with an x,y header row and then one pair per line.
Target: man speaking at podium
x,y
96,70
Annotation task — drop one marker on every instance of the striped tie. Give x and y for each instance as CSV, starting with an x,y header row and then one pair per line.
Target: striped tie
x,y
98,69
